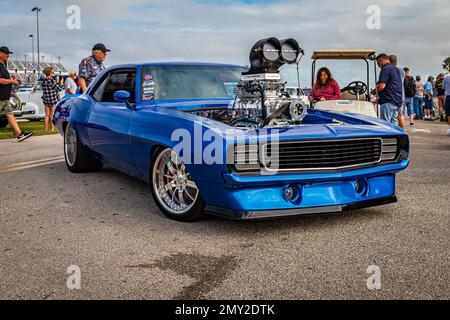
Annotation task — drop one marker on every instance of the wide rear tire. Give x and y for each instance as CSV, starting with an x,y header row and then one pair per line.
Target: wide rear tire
x,y
77,159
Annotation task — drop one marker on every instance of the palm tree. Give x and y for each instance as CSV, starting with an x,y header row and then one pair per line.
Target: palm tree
x,y
446,64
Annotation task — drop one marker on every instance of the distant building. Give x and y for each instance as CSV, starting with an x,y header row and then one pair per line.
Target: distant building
x,y
27,72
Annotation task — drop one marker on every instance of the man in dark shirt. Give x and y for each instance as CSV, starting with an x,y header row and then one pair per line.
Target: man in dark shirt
x,y
6,84
390,89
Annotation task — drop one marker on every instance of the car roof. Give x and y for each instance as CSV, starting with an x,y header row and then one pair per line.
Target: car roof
x,y
172,63
344,54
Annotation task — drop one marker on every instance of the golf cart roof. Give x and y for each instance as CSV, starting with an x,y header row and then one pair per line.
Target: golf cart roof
x,y
343,54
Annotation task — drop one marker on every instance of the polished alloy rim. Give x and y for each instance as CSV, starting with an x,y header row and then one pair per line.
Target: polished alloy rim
x,y
172,183
70,145
15,102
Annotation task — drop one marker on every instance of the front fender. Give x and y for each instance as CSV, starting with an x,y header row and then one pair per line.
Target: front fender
x,y
154,126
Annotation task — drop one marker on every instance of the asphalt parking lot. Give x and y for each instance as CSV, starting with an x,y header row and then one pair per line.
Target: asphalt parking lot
x,y
107,224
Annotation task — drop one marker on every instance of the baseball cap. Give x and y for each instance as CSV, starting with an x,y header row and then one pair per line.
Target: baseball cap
x,y
5,50
101,47
382,56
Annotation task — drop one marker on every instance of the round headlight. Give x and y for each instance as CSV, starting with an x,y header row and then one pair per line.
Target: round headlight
x,y
271,51
289,51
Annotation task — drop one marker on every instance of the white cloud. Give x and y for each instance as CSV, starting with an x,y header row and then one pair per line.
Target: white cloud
x,y
139,30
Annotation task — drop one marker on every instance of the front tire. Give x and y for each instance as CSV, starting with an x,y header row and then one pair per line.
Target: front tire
x,y
174,191
77,159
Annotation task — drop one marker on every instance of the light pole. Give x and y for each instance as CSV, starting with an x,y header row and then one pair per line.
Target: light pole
x,y
37,10
32,46
25,69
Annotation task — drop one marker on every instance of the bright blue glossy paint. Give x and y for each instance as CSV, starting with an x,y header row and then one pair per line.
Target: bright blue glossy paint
x,y
125,140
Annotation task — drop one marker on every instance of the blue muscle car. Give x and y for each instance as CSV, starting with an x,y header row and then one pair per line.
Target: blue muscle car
x,y
196,133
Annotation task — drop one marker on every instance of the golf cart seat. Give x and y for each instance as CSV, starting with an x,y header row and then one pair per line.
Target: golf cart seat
x,y
346,95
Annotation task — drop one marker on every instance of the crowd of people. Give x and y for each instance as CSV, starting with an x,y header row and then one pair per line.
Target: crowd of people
x,y
399,94
89,68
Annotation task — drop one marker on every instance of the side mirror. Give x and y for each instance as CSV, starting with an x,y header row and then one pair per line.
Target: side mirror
x,y
123,96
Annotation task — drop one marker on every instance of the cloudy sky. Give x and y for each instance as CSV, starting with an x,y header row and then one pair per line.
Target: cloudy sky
x,y
224,31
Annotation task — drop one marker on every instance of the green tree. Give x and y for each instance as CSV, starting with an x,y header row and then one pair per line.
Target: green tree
x,y
446,64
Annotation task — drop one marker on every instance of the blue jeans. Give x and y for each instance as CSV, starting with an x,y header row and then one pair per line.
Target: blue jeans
x,y
447,106
418,107
390,112
408,107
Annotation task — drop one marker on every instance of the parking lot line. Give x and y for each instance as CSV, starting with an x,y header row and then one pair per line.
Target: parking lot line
x,y
30,164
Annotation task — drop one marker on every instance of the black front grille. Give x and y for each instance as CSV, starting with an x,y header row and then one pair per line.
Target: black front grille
x,y
322,155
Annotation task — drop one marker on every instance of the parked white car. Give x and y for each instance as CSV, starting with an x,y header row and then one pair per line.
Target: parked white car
x,y
32,105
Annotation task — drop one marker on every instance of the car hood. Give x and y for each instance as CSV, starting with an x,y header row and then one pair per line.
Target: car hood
x,y
357,125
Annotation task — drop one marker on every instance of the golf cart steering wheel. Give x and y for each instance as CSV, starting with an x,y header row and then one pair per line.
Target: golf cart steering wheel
x,y
356,88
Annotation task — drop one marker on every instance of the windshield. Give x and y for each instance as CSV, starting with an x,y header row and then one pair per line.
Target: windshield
x,y
188,82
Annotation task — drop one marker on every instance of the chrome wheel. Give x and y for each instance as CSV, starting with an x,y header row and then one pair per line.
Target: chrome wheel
x,y
173,186
16,104
70,145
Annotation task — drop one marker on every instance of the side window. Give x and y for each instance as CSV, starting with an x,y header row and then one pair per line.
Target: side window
x,y
120,80
98,91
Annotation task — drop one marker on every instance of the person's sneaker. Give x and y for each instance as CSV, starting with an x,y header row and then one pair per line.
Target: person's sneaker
x,y
448,132
24,135
411,124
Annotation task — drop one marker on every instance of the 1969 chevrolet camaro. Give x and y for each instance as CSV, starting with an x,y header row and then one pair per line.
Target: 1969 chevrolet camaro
x,y
229,141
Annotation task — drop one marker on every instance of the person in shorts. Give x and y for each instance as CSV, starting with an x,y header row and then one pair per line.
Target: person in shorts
x,y
440,92
50,97
410,91
6,84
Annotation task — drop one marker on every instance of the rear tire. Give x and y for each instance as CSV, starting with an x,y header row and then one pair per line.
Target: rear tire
x,y
77,159
3,123
173,189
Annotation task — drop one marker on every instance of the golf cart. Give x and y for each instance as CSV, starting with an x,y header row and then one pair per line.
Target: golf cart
x,y
356,95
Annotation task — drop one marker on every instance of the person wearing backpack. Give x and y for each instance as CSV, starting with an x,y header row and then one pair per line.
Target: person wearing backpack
x,y
418,99
410,92
441,96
